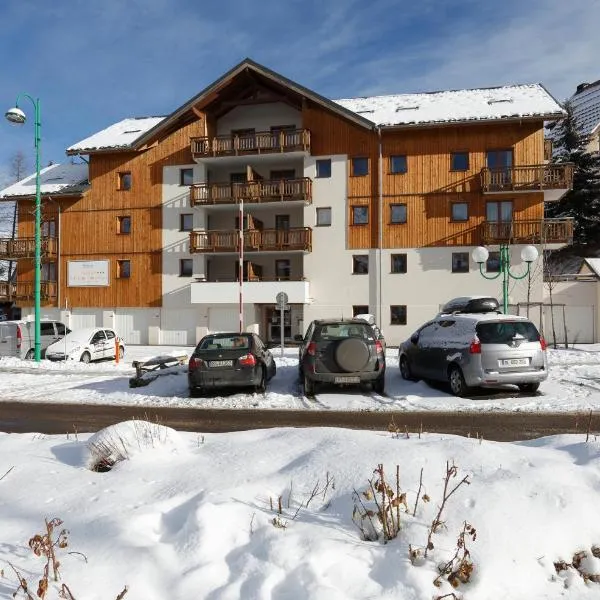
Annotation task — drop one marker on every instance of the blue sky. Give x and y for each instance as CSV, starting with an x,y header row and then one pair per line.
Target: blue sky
x,y
93,63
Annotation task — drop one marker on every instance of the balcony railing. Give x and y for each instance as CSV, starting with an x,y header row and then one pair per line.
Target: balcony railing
x,y
261,142
280,190
15,248
547,231
527,178
255,240
24,290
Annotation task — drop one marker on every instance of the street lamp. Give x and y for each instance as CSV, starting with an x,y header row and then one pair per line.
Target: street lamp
x,y
17,116
529,254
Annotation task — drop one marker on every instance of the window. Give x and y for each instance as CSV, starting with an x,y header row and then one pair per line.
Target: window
x,y
49,229
47,328
123,269
282,174
398,213
123,225
283,269
499,212
361,309
283,135
360,166
398,164
237,177
398,263
492,264
360,215
360,264
459,161
324,167
125,181
460,262
460,211
48,271
498,159
186,267
324,217
186,222
398,314
186,176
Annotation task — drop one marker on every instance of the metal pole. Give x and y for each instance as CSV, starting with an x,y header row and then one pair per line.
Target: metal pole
x,y
505,266
281,328
38,239
241,265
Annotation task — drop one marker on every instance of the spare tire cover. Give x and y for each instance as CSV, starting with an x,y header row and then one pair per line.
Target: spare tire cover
x,y
352,355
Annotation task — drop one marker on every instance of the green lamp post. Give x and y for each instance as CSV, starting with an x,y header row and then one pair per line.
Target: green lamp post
x,y
17,116
529,254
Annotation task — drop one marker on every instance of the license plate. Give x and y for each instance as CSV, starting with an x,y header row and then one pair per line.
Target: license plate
x,y
346,380
220,363
514,362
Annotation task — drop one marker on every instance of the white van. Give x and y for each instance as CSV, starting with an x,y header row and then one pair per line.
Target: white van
x,y
17,338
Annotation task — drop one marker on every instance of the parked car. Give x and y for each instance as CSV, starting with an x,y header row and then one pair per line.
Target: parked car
x,y
17,338
473,349
86,345
345,351
370,319
222,360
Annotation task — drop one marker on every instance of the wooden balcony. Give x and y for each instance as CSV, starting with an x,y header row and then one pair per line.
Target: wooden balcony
x,y
280,190
260,142
16,248
548,231
532,178
255,240
23,291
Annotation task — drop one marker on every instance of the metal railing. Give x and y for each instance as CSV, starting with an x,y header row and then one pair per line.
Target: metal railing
x,y
260,142
547,231
25,290
527,178
15,248
255,240
276,190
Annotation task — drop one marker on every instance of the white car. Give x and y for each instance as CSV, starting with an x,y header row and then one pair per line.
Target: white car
x,y
86,345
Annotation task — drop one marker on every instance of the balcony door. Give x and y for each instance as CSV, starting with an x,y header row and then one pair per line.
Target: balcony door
x,y
499,216
282,226
500,163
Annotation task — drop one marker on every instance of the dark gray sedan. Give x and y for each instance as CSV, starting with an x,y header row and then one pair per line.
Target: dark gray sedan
x,y
224,360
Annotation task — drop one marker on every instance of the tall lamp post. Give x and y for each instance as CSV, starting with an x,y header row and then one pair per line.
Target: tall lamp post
x,y
17,116
529,254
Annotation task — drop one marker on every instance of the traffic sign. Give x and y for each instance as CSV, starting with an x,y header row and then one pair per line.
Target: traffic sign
x,y
282,300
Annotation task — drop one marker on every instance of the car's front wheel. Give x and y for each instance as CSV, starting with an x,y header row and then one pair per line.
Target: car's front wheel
x,y
458,386
30,354
86,357
529,388
309,386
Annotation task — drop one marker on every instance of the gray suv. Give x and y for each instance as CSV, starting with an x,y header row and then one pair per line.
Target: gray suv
x,y
17,338
342,352
471,349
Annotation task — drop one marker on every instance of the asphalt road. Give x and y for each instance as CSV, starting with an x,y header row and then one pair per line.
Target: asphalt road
x,y
20,417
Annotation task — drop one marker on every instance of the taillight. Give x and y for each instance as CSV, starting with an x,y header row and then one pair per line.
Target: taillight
x,y
543,343
195,363
475,347
19,337
379,348
248,360
311,349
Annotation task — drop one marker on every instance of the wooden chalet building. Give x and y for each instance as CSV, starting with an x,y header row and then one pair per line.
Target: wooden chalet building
x,y
354,205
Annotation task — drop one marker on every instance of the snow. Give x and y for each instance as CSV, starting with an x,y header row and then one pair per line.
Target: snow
x,y
119,135
53,179
593,264
513,101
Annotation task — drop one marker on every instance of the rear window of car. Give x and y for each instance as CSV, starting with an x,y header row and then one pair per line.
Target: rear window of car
x,y
502,332
224,342
339,331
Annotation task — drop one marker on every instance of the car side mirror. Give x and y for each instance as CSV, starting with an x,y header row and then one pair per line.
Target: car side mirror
x,y
414,338
298,338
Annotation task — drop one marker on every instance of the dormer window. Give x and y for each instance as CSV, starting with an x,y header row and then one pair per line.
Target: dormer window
x,y
125,180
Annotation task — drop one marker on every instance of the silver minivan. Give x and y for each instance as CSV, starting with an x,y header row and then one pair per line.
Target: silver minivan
x,y
476,349
17,338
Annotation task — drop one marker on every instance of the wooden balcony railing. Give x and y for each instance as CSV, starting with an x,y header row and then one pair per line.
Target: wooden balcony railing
x,y
548,231
528,178
15,248
255,240
20,291
280,190
260,142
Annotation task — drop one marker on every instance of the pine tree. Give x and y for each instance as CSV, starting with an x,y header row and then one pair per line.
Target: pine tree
x,y
583,201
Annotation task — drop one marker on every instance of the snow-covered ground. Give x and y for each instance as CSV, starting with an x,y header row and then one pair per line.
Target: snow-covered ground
x,y
190,516
573,385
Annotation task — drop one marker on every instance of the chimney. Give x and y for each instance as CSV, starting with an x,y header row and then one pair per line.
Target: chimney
x,y
581,87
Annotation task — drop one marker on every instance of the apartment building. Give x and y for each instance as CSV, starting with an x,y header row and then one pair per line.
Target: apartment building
x,y
195,221
586,109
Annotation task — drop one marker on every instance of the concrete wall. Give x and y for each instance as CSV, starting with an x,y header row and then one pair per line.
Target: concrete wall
x,y
261,117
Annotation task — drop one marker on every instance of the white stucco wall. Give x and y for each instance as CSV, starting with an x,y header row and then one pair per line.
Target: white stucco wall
x,y
261,117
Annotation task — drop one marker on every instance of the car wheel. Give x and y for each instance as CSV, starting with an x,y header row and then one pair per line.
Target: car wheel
x,y
195,393
30,354
379,384
405,370
458,385
309,386
261,387
529,388
121,352
86,357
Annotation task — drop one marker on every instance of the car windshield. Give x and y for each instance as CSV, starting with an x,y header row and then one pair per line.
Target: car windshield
x,y
337,331
502,332
231,342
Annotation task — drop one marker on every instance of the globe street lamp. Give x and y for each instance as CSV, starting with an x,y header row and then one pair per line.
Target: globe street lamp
x,y
529,254
17,116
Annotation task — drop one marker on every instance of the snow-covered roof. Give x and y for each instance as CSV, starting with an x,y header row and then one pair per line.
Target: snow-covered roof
x,y
593,264
484,104
55,179
121,135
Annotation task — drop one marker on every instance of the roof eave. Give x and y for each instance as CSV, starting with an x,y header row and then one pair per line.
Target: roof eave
x,y
87,151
